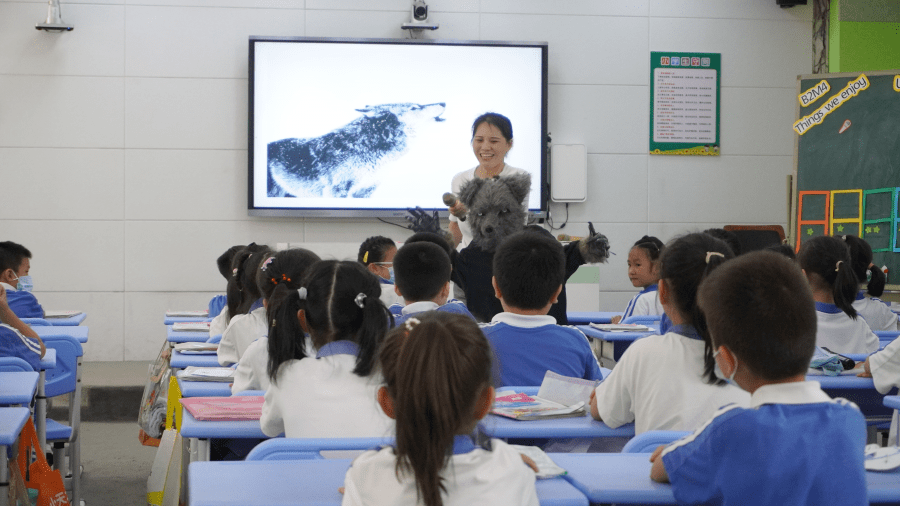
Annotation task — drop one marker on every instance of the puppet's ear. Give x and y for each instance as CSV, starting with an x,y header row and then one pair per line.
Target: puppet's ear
x,y
469,189
519,185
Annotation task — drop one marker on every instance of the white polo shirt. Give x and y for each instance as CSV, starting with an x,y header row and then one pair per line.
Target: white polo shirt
x,y
876,313
842,334
646,302
241,331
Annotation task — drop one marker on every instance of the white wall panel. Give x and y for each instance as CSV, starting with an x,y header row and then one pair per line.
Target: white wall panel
x,y
755,121
144,331
106,338
617,191
198,41
163,184
75,184
604,8
606,119
374,24
434,6
61,111
94,48
227,4
186,113
731,9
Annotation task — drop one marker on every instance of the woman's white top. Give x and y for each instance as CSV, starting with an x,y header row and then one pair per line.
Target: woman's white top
x,y
252,371
322,397
497,478
658,384
876,312
842,334
218,324
243,330
457,183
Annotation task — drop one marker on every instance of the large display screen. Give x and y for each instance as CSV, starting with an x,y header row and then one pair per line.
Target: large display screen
x,y
373,127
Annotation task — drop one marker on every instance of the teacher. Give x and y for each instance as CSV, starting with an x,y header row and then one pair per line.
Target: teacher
x,y
492,138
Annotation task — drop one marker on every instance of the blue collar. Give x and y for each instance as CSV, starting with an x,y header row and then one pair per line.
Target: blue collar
x,y
338,348
650,288
462,444
256,305
861,295
687,331
384,281
824,307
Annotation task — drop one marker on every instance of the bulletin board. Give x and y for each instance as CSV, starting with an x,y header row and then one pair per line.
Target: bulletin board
x,y
847,163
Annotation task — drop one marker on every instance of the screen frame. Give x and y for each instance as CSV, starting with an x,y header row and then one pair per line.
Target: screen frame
x,y
337,212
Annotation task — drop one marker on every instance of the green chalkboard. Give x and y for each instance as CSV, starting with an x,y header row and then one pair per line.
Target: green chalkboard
x,y
850,141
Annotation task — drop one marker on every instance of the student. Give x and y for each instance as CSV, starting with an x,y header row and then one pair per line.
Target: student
x,y
423,281
826,262
219,302
16,338
529,271
277,277
333,393
763,325
877,314
234,293
15,263
377,254
249,323
668,382
437,375
643,271
451,252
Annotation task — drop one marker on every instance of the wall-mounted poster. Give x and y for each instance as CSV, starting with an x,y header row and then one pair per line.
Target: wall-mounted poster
x,y
684,109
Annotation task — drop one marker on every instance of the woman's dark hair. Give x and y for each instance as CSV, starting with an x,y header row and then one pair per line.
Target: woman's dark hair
x,y
280,273
497,120
242,291
374,249
860,258
435,372
341,303
651,245
685,262
826,261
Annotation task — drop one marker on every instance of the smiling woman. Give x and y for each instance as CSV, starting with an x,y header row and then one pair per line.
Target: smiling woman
x,y
492,138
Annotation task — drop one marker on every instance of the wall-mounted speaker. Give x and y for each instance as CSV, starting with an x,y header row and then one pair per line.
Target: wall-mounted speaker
x,y
789,3
568,173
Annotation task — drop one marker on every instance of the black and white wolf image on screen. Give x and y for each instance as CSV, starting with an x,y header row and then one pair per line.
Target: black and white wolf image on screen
x,y
346,161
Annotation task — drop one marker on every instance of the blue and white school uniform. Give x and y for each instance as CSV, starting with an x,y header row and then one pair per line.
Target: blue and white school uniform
x,y
321,396
252,372
472,475
659,385
388,294
646,302
23,304
877,314
885,367
409,310
14,344
219,322
842,334
527,346
793,445
242,330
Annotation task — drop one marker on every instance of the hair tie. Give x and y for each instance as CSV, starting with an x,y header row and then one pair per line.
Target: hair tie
x,y
234,272
266,263
710,254
837,266
411,323
274,281
273,323
844,237
301,292
366,257
285,278
360,299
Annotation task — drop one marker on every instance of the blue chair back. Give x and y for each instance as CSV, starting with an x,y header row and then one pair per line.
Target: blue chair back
x,y
605,372
648,441
645,319
309,448
215,339
40,322
216,304
14,364
62,378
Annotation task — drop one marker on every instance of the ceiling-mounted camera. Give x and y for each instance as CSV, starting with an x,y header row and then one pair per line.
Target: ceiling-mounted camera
x,y
418,19
419,11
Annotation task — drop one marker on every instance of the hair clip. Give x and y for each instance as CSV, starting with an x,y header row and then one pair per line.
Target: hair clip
x,y
274,281
710,254
360,299
411,323
266,263
366,257
301,292
837,266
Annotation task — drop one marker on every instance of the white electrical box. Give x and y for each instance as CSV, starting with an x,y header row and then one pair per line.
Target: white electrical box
x,y
568,173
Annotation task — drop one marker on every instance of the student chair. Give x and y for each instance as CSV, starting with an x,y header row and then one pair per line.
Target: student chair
x,y
215,339
309,448
65,379
14,364
40,322
648,441
216,304
645,319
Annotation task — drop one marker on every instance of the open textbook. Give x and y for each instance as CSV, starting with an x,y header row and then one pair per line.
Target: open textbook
x,y
621,327
220,374
202,313
191,326
244,407
53,313
559,397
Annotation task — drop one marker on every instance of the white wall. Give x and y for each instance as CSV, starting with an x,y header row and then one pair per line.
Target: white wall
x,y
123,143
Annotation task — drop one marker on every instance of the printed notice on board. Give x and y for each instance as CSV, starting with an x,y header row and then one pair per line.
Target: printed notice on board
x,y
685,110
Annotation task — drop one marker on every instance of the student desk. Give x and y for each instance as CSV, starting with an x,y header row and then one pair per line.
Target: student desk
x,y
624,478
79,333
204,388
307,482
577,426
861,391
18,388
169,320
200,433
181,360
185,336
586,317
71,321
11,422
892,401
614,344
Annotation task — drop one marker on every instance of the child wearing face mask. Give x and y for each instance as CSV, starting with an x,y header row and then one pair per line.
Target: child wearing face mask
x,y
15,263
377,254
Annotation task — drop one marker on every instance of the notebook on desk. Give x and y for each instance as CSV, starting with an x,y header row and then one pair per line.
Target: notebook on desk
x,y
56,313
188,314
217,409
191,326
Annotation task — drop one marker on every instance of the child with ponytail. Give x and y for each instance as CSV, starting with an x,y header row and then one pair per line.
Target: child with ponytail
x,y
437,386
277,277
331,393
668,382
643,272
826,262
876,312
247,316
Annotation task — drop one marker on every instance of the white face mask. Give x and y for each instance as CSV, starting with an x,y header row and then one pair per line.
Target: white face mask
x,y
729,379
24,283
